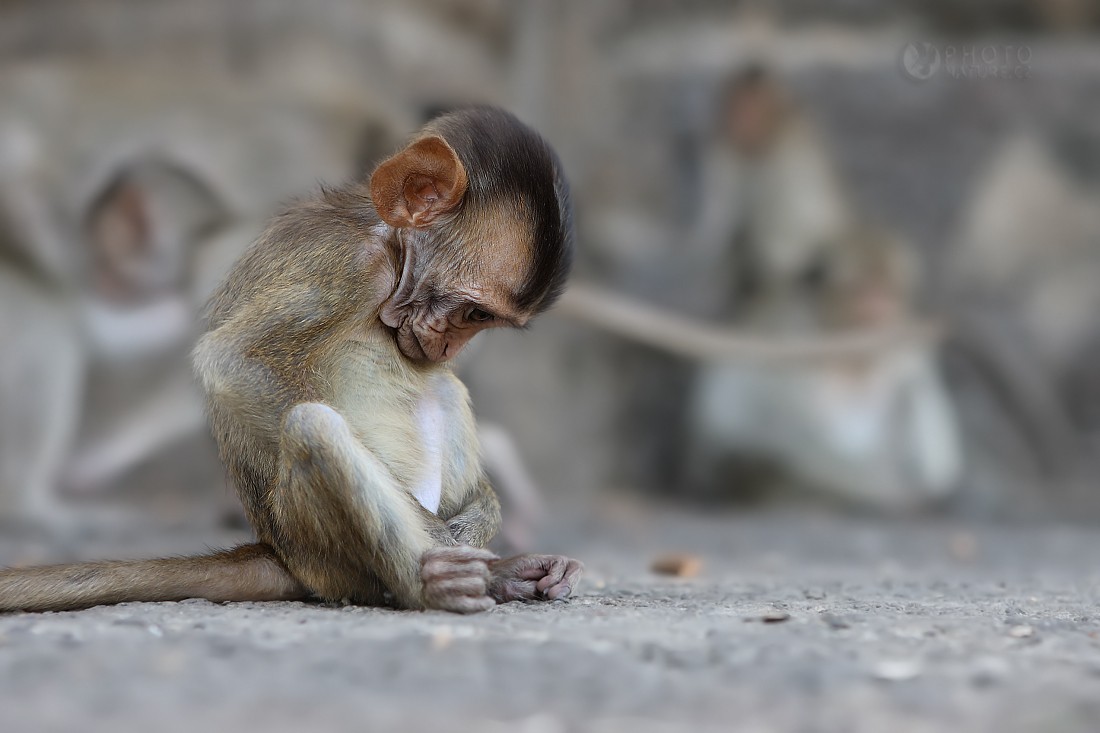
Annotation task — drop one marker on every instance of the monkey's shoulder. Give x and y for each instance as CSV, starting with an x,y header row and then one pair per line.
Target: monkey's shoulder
x,y
311,259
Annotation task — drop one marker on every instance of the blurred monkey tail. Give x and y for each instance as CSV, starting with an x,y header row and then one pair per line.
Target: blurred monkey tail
x,y
245,573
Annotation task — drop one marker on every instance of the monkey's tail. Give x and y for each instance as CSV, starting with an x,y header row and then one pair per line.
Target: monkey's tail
x,y
245,573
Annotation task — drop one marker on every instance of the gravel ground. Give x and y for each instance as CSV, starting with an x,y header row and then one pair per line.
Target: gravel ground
x,y
794,624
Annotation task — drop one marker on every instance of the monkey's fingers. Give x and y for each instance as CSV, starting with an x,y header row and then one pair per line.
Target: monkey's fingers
x,y
441,563
534,577
456,579
458,595
505,590
437,571
524,567
460,553
468,604
562,575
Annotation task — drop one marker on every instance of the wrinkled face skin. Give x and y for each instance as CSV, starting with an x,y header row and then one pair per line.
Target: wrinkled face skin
x,y
448,291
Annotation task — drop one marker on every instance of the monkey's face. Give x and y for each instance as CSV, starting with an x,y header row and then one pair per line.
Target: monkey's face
x,y
445,298
475,247
441,329
754,114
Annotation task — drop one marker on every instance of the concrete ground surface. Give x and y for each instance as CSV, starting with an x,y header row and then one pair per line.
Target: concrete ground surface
x,y
794,623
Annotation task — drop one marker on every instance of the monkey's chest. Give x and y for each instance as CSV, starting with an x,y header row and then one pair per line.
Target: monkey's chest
x,y
427,487
418,425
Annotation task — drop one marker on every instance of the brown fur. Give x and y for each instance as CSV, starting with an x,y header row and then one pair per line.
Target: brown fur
x,y
247,573
328,392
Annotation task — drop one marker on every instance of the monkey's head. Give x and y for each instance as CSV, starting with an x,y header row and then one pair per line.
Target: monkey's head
x,y
483,230
754,109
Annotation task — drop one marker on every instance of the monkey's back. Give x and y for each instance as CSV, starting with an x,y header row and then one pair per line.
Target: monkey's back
x,y
300,288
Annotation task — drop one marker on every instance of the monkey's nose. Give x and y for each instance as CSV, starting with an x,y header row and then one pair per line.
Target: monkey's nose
x,y
451,349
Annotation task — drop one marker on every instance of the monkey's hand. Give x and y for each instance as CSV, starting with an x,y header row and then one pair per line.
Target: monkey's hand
x,y
534,578
457,579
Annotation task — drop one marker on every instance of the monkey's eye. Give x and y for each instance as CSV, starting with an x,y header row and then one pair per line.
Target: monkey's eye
x,y
479,316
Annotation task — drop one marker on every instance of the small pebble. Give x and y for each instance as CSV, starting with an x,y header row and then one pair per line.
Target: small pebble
x,y
774,616
1021,632
678,564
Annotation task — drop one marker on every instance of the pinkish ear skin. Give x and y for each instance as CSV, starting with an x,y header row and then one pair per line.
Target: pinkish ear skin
x,y
419,184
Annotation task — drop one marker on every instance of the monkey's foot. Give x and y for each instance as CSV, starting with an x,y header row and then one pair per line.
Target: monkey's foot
x,y
456,579
534,578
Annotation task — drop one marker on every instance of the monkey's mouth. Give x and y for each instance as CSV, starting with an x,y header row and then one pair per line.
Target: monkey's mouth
x,y
410,346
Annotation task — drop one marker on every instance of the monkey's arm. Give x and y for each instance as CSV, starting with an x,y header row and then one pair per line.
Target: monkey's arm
x,y
479,520
301,287
526,577
696,340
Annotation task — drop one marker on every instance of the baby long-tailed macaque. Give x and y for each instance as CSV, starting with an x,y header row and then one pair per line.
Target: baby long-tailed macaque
x,y
157,232
349,439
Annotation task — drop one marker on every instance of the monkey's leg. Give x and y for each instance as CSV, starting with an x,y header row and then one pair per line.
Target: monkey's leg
x,y
246,573
479,520
347,530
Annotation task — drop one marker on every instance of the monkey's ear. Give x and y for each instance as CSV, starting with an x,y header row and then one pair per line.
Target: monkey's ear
x,y
419,184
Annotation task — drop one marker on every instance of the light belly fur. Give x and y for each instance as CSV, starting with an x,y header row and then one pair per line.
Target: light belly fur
x,y
416,422
429,489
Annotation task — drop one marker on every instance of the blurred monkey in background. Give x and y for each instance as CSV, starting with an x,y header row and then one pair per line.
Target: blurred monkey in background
x,y
877,429
146,233
124,198
1023,284
89,383
862,418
